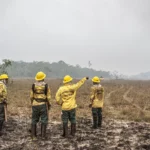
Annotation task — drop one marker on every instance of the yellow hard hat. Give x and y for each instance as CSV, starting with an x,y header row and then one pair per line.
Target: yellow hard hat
x,y
3,76
96,79
67,79
40,76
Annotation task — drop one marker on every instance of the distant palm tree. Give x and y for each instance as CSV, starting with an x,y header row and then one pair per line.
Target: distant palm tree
x,y
89,64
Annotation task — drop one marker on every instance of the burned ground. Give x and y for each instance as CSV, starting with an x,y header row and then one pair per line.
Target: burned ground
x,y
126,117
114,135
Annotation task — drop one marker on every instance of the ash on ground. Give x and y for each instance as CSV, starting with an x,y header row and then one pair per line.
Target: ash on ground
x,y
114,135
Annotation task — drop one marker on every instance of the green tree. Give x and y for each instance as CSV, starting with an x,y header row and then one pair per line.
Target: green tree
x,y
5,64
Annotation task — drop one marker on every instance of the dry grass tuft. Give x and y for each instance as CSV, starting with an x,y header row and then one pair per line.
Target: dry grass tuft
x,y
128,100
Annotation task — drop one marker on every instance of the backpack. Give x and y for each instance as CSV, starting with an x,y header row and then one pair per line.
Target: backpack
x,y
1,90
45,90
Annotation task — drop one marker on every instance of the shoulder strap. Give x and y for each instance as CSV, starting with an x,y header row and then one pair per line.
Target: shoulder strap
x,y
45,91
33,88
46,88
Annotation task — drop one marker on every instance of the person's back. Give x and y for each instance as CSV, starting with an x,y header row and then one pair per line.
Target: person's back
x,y
67,94
98,95
40,97
66,97
97,101
3,99
3,92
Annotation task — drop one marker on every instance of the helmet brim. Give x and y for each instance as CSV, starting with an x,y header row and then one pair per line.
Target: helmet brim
x,y
68,81
40,78
95,81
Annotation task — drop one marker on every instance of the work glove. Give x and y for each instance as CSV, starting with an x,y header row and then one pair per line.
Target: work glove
x,y
90,105
49,106
31,101
87,78
4,102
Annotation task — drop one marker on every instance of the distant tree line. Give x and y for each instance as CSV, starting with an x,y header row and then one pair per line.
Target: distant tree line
x,y
21,69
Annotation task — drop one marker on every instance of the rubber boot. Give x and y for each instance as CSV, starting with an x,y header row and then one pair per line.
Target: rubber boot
x,y
65,130
94,122
33,132
63,135
73,129
43,131
1,126
99,121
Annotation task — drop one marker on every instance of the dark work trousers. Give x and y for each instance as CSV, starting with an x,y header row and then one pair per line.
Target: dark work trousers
x,y
39,112
97,117
2,115
69,115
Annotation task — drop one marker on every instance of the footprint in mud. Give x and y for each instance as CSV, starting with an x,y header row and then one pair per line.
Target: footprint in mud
x,y
114,135
145,146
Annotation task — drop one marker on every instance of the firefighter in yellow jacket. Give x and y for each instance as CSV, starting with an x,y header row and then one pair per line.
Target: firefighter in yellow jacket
x,y
97,100
66,97
3,99
40,96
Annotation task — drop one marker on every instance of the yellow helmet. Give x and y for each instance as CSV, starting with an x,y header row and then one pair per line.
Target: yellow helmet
x,y
40,76
67,79
4,76
96,79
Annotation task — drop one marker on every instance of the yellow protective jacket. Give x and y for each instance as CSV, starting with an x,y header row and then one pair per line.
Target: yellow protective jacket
x,y
66,95
39,93
97,96
3,92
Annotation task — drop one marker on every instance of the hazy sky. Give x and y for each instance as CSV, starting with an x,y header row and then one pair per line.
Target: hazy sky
x,y
112,34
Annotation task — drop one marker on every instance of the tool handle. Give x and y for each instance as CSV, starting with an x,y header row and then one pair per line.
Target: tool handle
x,y
5,110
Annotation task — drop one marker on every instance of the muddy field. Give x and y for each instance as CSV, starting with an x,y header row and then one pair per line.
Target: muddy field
x,y
126,117
114,135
